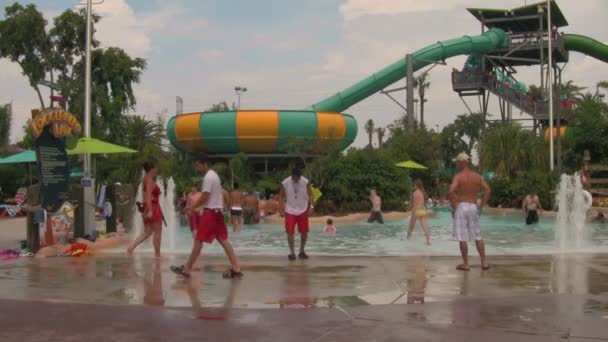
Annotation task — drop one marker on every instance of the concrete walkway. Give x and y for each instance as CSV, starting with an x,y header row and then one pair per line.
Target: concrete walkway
x,y
113,298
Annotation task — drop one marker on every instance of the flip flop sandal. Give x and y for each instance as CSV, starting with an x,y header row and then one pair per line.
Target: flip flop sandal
x,y
486,268
179,270
231,274
302,255
462,268
291,257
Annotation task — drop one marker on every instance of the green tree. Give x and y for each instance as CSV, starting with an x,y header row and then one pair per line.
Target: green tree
x,y
222,107
348,178
422,84
23,40
369,129
462,135
508,149
6,119
241,171
380,133
59,55
146,137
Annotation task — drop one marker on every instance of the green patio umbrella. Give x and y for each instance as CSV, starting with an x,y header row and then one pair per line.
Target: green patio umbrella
x,y
27,156
411,165
95,146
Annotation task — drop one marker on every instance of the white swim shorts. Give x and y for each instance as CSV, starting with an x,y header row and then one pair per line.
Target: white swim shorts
x,y
466,223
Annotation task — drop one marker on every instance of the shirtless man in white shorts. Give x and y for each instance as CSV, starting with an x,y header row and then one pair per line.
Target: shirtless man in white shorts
x,y
463,197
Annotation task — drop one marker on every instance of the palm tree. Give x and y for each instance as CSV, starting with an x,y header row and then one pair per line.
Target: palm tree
x,y
369,128
571,90
380,132
601,84
422,84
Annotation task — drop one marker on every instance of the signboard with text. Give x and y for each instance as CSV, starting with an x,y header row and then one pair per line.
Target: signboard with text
x,y
53,170
50,128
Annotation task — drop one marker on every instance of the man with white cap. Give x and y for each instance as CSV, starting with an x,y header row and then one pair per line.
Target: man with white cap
x,y
463,198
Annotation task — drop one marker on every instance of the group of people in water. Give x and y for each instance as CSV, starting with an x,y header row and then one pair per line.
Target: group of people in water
x,y
295,200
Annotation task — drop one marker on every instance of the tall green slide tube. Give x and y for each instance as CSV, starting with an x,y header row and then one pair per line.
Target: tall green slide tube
x,y
587,46
491,40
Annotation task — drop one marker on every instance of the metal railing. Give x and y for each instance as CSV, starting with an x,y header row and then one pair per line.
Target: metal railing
x,y
470,80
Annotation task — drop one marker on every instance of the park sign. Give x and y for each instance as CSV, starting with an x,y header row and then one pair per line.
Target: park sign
x,y
50,128
62,123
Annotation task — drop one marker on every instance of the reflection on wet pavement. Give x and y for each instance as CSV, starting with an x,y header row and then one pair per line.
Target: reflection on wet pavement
x,y
560,296
272,282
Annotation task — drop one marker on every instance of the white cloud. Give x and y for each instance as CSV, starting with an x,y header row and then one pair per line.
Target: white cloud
x,y
212,54
353,9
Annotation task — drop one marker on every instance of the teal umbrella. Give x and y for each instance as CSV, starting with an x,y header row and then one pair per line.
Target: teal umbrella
x,y
28,156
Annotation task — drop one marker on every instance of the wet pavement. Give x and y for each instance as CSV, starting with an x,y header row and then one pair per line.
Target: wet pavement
x,y
113,298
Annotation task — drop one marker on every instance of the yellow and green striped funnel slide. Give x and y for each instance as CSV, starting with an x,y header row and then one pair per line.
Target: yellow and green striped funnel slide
x,y
261,131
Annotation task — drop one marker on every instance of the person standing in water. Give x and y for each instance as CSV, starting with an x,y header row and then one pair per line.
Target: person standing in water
x,y
152,214
531,206
465,212
418,212
294,203
211,225
236,208
376,214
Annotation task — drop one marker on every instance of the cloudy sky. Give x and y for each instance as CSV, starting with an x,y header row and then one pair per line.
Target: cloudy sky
x,y
291,53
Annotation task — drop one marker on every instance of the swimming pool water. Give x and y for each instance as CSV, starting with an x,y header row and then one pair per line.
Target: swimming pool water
x,y
507,235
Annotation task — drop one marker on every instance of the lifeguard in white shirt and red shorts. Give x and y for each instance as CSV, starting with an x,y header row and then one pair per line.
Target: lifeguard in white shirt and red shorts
x,y
211,224
295,200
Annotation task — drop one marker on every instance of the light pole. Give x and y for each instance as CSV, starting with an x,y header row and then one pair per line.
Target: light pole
x,y
239,90
88,185
550,81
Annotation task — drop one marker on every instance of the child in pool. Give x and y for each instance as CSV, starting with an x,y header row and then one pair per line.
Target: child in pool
x,y
330,228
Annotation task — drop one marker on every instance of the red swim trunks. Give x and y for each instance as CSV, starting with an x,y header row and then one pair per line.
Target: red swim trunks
x,y
300,220
157,216
195,219
211,226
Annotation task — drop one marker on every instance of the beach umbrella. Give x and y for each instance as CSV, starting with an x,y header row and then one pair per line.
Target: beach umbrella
x,y
411,165
28,156
95,146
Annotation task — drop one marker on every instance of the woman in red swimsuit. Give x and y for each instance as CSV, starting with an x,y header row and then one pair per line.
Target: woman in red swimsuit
x,y
152,214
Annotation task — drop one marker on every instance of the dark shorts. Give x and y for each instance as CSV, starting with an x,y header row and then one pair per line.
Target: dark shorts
x,y
375,216
212,226
300,220
249,216
532,217
236,212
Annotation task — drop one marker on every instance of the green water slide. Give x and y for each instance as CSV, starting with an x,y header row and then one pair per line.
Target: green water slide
x,y
491,40
587,46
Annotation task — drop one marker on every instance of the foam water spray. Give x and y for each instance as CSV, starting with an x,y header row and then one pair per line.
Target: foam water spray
x,y
167,203
574,202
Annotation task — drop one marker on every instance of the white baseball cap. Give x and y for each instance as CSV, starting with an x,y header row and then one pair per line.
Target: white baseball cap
x,y
462,157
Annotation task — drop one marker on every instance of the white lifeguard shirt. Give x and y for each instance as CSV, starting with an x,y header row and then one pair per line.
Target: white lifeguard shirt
x,y
296,194
213,185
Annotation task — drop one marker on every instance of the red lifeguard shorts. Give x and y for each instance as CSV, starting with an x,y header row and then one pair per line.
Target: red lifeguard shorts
x,y
300,220
211,226
195,218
